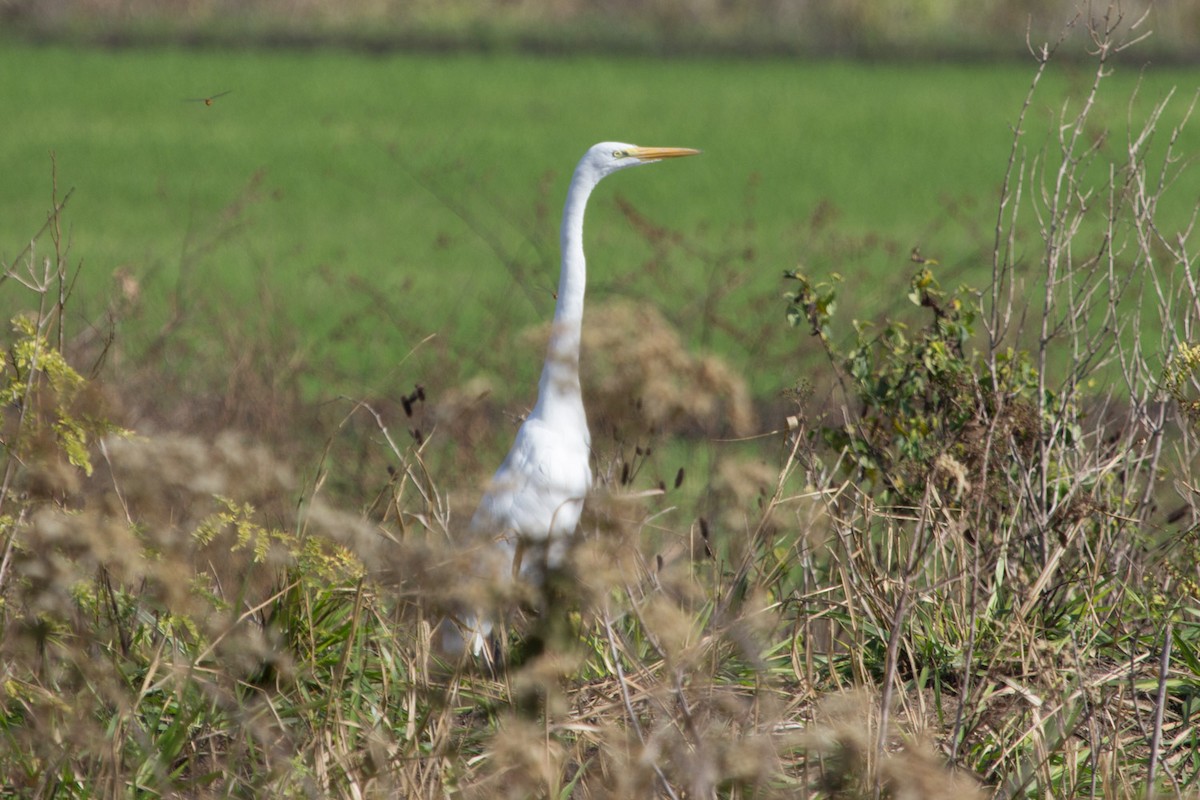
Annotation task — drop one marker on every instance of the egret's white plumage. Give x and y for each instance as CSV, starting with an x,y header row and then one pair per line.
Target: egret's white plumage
x,y
533,502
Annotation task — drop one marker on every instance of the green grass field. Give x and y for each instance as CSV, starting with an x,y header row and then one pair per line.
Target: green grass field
x,y
373,193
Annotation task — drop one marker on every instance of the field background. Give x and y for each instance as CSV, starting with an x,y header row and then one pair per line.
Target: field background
x,y
381,200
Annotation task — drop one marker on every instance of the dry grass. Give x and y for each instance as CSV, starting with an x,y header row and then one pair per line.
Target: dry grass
x,y
641,376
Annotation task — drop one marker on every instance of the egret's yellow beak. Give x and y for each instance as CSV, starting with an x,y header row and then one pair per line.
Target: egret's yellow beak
x,y
658,153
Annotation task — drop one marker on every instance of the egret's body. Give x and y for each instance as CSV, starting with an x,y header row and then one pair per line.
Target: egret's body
x,y
533,502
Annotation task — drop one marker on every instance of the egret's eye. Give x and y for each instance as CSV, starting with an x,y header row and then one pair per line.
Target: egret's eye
x,y
620,154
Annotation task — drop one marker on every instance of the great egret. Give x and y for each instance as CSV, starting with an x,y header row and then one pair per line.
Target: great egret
x,y
533,502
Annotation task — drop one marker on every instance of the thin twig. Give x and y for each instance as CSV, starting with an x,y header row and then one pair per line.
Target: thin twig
x,y
625,698
1160,702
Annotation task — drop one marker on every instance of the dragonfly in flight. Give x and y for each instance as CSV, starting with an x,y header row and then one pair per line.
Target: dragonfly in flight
x,y
208,101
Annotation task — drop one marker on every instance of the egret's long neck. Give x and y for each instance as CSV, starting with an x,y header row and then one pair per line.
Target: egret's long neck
x,y
559,398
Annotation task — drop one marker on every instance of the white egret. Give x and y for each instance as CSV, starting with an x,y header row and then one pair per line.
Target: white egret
x,y
533,502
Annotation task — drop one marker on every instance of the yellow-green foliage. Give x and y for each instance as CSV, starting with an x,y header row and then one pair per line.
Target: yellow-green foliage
x,y
1180,378
311,555
34,373
248,534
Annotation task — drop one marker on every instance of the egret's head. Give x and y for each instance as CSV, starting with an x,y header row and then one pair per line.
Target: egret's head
x,y
609,157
